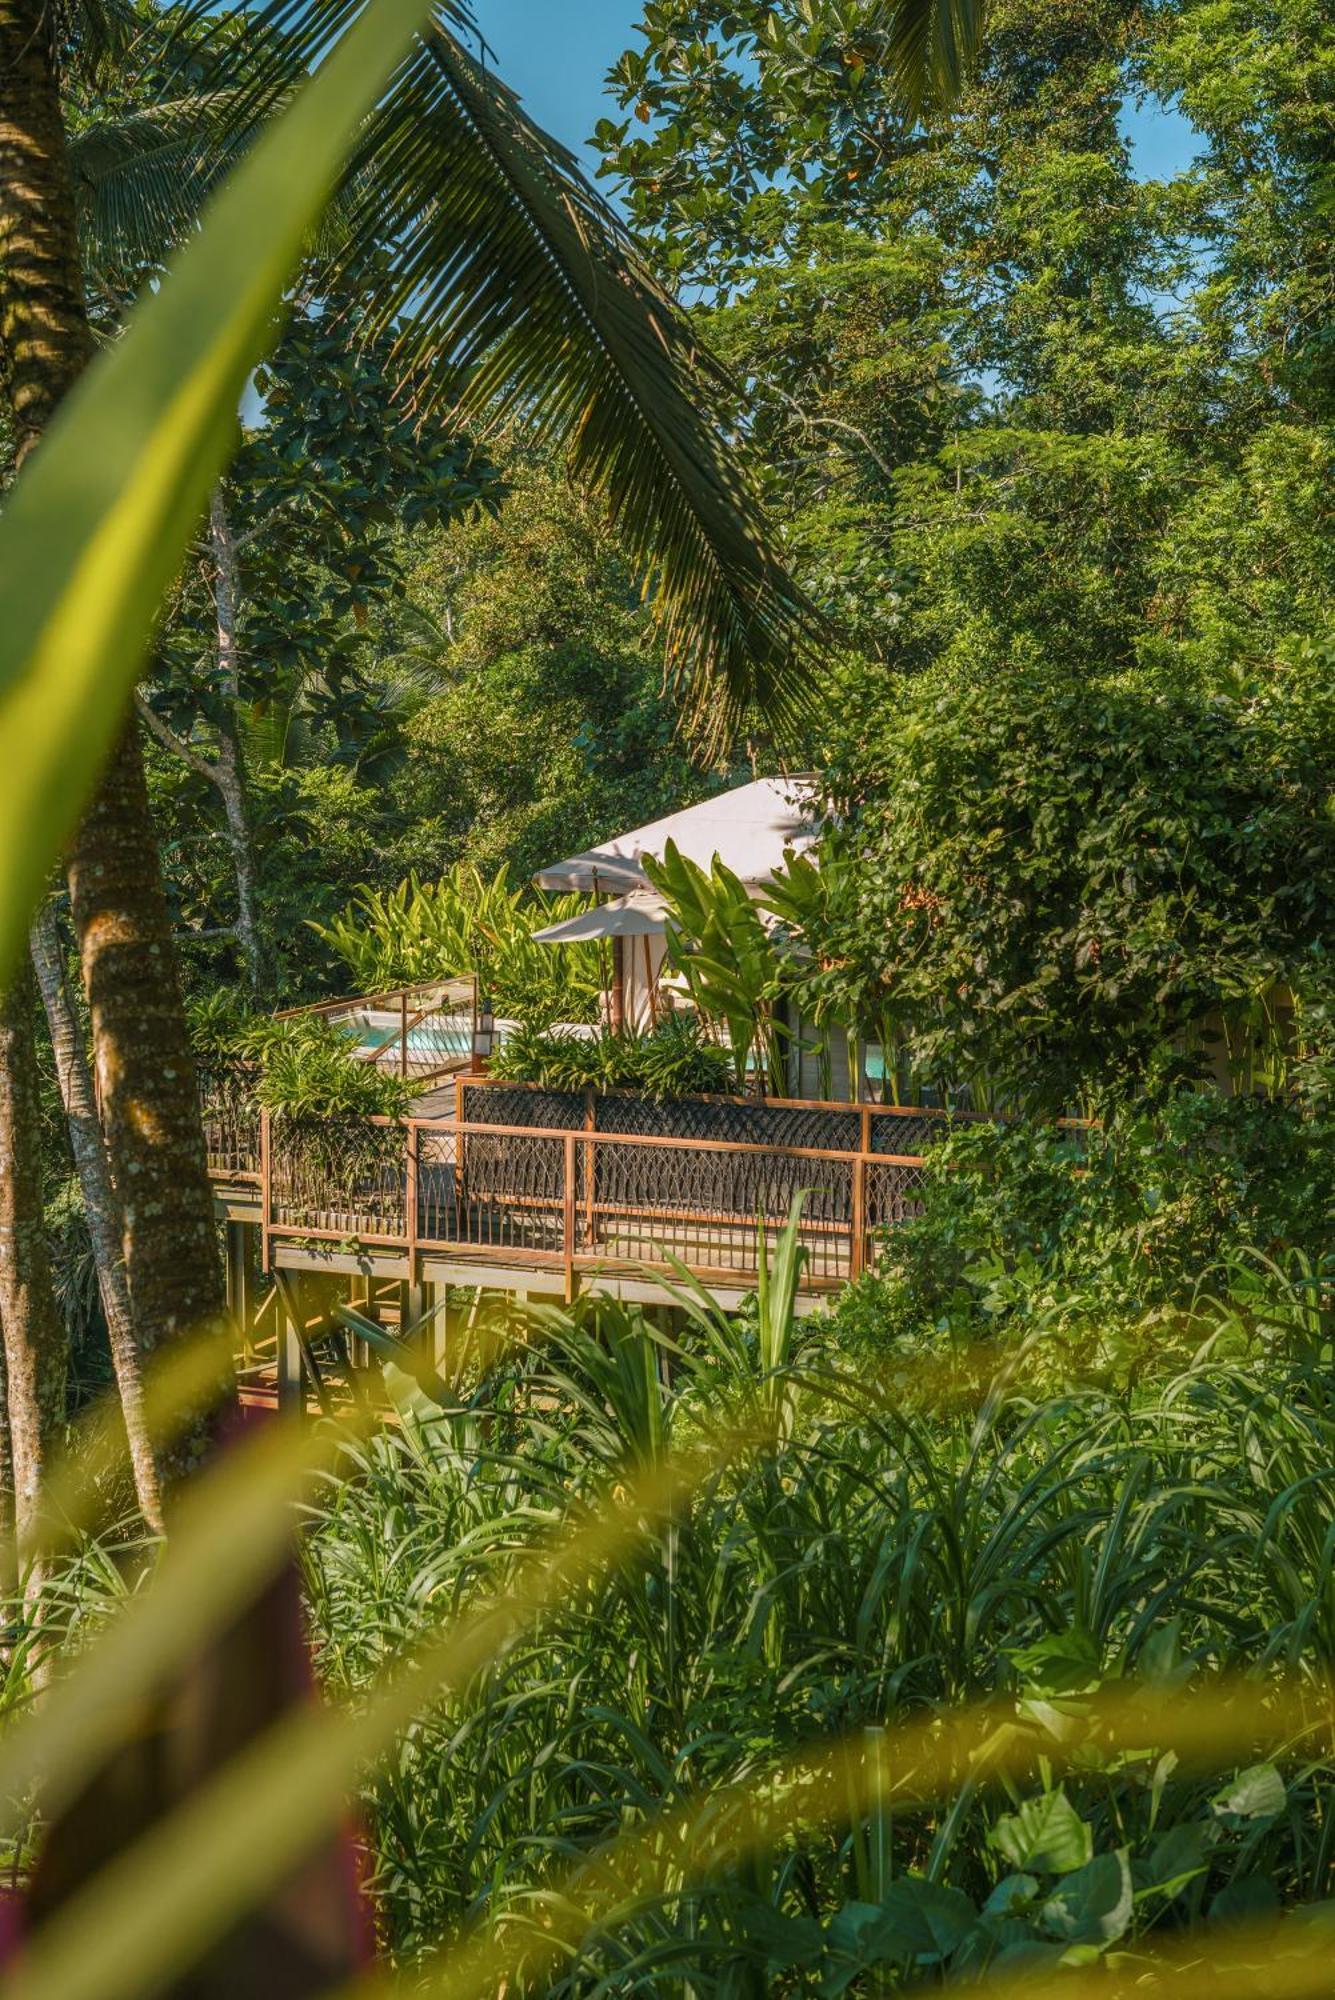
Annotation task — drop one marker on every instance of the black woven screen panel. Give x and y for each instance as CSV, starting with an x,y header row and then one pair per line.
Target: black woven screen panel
x,y
833,1128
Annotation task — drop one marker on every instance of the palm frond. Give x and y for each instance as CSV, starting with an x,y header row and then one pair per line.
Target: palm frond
x,y
91,35
927,47
144,173
518,297
514,279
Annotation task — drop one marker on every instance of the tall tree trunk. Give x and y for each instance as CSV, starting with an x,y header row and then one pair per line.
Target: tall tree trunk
x,y
44,328
226,769
146,1083
34,1332
100,1204
151,1113
9,1569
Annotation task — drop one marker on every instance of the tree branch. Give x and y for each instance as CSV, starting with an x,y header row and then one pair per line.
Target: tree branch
x,y
203,767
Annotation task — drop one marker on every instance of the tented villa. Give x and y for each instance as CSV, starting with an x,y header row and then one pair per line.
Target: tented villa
x,y
519,1187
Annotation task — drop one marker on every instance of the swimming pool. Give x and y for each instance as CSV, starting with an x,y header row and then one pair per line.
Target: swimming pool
x,y
432,1044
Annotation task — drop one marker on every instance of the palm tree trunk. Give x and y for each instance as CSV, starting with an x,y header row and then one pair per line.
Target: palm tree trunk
x,y
34,1333
100,1204
144,1069
44,330
9,1570
146,1083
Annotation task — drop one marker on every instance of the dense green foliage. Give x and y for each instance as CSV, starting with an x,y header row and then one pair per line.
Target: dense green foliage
x,y
489,695
300,1066
1104,1241
1081,893
677,1058
465,923
887,1556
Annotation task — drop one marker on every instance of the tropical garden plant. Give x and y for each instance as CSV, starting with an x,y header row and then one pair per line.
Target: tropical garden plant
x,y
676,1058
883,1555
467,923
720,949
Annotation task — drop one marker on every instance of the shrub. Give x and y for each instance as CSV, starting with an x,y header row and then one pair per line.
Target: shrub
x,y
300,1067
1022,1222
465,923
677,1059
887,1558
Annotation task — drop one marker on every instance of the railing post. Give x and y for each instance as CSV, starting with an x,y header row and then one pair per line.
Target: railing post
x,y
590,1125
237,1271
568,1217
266,1189
403,1033
857,1252
410,1198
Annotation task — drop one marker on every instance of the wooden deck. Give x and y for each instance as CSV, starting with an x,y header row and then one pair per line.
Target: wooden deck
x,y
557,1208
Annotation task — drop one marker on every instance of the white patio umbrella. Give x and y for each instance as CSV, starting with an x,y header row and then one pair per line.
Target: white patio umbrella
x,y
641,916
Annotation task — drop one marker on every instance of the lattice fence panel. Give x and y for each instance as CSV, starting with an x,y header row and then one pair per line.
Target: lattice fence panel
x,y
339,1174
510,1191
833,1128
893,1195
231,1117
439,1214
522,1104
727,1121
909,1131
705,1206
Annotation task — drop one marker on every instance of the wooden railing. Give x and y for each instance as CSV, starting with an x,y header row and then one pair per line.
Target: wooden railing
x,y
568,1203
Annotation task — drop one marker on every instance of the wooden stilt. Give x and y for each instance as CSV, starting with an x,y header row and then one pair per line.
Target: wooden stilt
x,y
237,1271
291,1390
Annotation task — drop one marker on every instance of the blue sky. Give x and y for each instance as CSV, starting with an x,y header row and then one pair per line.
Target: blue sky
x,y
557,52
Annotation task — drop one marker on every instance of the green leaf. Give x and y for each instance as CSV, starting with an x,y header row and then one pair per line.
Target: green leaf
x,y
1181,1856
1062,1663
786,1940
1248,1899
1094,1905
921,1919
1047,1834
1257,1793
1011,1896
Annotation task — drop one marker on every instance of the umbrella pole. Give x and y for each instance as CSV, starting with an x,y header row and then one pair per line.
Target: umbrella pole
x,y
618,985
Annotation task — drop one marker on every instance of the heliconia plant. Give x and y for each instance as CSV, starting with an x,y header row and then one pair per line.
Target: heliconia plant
x,y
468,922
718,945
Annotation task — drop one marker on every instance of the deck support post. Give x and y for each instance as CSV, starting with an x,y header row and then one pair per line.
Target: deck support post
x,y
291,1389
568,1219
237,1275
857,1249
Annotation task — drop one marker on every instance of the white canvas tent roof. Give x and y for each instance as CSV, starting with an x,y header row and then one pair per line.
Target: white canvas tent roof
x,y
748,828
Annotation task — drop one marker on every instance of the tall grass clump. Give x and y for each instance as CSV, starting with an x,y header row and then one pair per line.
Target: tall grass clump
x,y
903,1544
